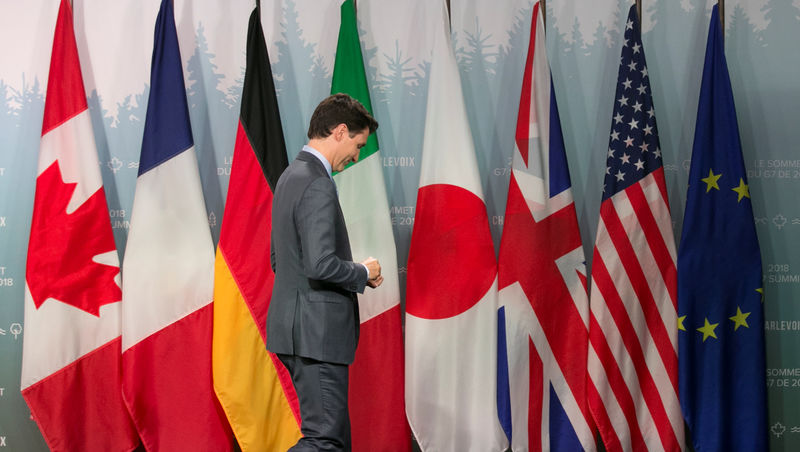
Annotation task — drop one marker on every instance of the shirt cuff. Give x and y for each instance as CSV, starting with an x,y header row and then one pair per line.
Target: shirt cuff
x,y
365,268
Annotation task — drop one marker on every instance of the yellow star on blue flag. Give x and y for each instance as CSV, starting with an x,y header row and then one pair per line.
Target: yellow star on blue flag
x,y
742,190
712,181
708,330
740,319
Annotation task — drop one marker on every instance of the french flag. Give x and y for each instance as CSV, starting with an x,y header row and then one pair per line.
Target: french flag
x,y
544,307
168,274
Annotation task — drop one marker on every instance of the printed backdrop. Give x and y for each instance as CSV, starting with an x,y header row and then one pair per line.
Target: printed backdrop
x,y
490,36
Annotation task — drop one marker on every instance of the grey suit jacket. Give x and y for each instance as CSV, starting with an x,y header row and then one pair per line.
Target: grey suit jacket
x,y
314,308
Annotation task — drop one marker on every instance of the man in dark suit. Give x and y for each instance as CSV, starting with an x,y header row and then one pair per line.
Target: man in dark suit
x,y
312,323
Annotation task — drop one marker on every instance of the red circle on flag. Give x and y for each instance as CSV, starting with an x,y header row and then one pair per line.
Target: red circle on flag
x,y
451,261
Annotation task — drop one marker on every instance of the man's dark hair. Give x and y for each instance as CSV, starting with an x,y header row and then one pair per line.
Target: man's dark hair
x,y
340,109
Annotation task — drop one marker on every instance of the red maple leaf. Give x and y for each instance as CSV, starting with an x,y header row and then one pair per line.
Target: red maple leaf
x,y
62,246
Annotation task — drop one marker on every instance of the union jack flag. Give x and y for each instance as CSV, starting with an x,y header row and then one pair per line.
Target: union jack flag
x,y
544,308
633,360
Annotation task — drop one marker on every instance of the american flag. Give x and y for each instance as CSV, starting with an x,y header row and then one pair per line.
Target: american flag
x,y
544,306
633,360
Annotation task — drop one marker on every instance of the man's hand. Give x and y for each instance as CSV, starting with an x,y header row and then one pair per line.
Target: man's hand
x,y
376,282
375,279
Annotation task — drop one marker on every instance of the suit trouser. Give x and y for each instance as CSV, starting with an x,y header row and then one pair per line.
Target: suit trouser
x,y
322,392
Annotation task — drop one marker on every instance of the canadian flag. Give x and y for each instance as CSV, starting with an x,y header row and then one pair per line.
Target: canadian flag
x,y
71,351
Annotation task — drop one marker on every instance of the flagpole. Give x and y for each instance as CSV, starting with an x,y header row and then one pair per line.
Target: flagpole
x,y
544,15
721,4
639,11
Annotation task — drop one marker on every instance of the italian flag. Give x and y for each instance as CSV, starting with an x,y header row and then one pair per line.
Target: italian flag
x,y
377,414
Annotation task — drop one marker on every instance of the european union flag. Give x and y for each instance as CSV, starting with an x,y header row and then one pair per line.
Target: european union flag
x,y
720,318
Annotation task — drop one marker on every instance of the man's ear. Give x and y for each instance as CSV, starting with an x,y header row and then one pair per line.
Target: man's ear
x,y
340,131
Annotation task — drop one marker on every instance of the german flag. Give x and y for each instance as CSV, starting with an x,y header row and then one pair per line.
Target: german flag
x,y
254,388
